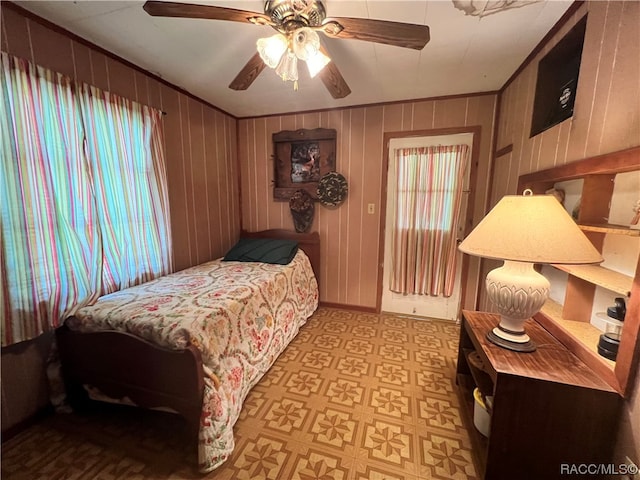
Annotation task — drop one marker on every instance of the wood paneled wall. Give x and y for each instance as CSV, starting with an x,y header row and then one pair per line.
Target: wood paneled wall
x,y
606,114
350,235
200,146
606,118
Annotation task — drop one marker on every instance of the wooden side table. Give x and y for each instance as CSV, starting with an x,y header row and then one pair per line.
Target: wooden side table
x,y
550,411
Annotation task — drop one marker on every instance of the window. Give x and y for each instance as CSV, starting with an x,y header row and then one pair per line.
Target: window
x,y
429,184
83,197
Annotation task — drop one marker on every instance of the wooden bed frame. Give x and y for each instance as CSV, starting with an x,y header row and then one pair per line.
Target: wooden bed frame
x,y
122,365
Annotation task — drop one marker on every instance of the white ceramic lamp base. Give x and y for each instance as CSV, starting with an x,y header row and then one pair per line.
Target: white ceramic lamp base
x,y
518,292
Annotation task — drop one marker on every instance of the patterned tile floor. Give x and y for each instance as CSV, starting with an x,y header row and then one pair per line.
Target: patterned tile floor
x,y
355,396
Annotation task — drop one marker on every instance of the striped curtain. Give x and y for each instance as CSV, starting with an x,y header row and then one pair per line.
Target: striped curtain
x,y
57,250
131,193
429,186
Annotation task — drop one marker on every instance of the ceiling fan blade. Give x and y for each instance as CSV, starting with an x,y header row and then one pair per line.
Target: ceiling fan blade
x,y
189,10
248,74
406,35
332,79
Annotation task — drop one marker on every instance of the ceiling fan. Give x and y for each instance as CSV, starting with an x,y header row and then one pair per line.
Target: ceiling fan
x,y
297,22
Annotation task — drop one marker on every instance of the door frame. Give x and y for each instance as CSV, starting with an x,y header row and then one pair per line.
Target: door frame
x,y
473,183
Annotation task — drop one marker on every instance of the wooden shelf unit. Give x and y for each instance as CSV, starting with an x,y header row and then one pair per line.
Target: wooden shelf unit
x,y
540,403
583,332
608,228
598,175
601,276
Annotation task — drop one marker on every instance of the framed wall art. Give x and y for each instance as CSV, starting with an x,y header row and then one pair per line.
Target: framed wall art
x,y
301,158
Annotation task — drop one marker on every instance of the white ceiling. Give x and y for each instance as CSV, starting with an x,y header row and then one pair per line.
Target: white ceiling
x,y
466,54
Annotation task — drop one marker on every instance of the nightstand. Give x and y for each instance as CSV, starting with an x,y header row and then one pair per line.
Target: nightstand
x,y
549,413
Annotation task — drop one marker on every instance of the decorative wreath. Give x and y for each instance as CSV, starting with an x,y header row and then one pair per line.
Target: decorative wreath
x,y
332,189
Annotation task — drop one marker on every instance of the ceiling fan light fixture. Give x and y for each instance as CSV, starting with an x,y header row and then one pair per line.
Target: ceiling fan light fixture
x,y
305,43
316,63
283,52
272,49
482,8
287,69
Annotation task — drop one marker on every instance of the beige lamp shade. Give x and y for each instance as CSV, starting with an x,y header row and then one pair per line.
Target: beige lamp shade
x,y
530,228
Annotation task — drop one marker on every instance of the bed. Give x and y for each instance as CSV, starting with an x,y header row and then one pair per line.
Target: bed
x,y
194,342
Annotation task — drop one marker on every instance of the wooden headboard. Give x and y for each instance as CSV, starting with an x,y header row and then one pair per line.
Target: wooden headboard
x,y
308,242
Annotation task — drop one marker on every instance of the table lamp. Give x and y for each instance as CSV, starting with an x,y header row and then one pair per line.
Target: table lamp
x,y
522,231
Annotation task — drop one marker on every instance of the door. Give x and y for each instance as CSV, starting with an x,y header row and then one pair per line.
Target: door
x,y
422,305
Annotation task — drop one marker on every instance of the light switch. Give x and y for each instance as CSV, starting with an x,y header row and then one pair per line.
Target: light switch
x,y
371,209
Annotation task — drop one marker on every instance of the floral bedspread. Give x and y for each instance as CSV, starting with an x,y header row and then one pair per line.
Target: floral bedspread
x,y
240,315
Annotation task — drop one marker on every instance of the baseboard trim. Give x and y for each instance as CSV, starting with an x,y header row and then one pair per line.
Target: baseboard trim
x,y
22,425
343,306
